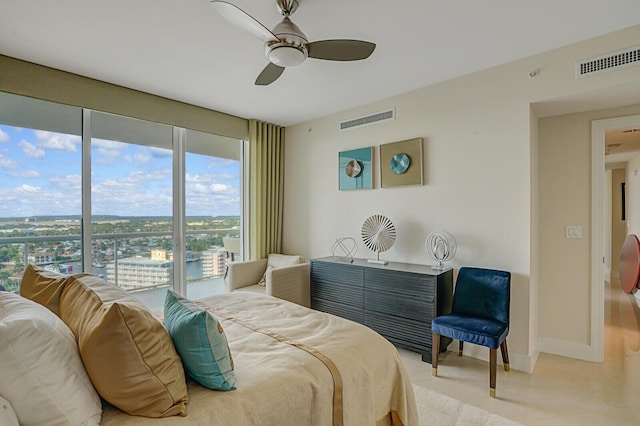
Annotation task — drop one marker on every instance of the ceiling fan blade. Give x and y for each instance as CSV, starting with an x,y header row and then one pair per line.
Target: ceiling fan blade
x,y
340,50
269,74
243,20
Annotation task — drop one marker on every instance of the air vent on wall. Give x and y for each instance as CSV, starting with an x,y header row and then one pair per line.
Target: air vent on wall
x,y
609,62
367,120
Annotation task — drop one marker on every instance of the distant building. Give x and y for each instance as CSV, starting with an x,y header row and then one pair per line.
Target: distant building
x,y
158,254
213,262
40,257
138,272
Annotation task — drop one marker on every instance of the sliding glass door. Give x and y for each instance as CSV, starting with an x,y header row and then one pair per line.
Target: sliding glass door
x,y
213,194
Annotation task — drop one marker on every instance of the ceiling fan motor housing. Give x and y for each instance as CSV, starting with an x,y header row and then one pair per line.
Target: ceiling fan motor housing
x,y
291,47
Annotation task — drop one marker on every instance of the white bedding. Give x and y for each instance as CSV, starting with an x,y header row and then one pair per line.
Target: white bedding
x,y
281,382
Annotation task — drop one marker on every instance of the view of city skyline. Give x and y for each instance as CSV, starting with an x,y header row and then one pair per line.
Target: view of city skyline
x,y
40,174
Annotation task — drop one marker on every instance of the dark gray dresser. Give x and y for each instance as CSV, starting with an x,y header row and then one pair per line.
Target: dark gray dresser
x,y
398,300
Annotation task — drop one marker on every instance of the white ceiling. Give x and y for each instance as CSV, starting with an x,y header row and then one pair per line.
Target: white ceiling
x,y
182,49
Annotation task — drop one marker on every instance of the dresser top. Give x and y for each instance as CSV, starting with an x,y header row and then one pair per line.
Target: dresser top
x,y
391,266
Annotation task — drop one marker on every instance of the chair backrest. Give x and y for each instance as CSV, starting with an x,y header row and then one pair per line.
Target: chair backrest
x,y
484,293
231,245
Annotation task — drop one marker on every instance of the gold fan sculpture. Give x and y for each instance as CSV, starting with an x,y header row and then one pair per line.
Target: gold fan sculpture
x,y
378,234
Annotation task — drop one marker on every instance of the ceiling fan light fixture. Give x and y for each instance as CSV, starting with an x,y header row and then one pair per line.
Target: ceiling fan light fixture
x,y
286,55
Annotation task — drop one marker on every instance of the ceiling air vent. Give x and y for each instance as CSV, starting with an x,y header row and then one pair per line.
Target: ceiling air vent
x,y
609,62
368,120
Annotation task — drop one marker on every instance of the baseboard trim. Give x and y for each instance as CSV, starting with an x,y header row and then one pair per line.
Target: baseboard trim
x,y
566,348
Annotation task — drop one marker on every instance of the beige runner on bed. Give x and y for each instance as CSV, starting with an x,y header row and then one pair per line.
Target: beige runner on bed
x,y
335,374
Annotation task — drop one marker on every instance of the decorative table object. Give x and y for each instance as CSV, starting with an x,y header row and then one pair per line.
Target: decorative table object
x,y
344,249
441,246
378,234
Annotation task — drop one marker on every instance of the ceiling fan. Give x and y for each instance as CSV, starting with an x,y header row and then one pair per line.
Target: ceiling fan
x,y
287,45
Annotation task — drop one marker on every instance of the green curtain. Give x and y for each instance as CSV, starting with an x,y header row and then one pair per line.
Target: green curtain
x,y
266,188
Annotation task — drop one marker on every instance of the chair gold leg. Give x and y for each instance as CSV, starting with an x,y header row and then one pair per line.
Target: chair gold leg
x,y
435,349
505,355
493,355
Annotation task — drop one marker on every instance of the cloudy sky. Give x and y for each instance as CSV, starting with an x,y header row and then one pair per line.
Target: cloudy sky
x,y
40,174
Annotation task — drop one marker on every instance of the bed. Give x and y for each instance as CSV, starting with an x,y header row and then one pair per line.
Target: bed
x,y
292,366
279,348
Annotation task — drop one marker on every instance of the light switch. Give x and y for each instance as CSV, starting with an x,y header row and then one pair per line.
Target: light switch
x,y
573,231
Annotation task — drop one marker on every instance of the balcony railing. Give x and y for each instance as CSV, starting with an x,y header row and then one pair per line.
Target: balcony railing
x,y
122,247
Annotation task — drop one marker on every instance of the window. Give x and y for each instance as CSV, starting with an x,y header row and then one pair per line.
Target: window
x,y
132,201
131,177
40,187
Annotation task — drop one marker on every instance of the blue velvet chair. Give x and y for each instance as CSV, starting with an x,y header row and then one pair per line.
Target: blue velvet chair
x,y
479,315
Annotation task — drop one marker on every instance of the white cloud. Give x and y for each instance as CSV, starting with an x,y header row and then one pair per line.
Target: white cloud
x,y
27,174
30,150
141,158
195,178
219,187
4,136
106,152
220,163
7,163
69,184
28,189
58,141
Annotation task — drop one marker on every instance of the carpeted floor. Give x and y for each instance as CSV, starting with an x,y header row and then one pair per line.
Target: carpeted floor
x,y
439,410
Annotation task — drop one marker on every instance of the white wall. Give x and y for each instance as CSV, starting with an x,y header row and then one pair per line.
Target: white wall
x,y
478,148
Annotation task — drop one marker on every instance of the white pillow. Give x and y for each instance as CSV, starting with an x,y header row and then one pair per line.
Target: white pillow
x,y
7,415
279,260
42,374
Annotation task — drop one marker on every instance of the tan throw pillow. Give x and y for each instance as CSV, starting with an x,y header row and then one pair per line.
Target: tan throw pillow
x,y
44,287
126,351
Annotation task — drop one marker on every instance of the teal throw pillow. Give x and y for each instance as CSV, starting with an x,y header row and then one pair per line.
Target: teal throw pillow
x,y
200,341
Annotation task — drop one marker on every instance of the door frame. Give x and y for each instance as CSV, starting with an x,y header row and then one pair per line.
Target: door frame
x,y
598,132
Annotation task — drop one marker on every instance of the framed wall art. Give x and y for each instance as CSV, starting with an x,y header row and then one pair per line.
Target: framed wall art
x,y
355,169
401,163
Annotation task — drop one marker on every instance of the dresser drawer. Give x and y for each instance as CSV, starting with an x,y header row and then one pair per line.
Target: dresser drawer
x,y
336,273
398,305
405,332
339,309
404,284
339,293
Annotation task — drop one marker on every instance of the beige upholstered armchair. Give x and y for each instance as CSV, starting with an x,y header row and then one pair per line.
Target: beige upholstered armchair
x,y
282,276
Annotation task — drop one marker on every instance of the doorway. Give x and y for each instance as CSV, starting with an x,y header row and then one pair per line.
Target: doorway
x,y
599,128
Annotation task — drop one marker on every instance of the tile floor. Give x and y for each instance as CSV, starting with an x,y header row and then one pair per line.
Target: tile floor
x,y
560,391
